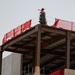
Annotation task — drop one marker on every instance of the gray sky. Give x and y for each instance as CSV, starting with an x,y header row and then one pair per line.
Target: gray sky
x,y
15,12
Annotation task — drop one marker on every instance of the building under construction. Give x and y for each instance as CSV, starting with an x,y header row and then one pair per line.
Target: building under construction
x,y
44,49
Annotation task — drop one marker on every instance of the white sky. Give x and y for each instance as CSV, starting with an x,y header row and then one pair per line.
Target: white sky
x,y
15,12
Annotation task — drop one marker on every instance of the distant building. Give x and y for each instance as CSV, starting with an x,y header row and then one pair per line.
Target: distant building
x,y
11,65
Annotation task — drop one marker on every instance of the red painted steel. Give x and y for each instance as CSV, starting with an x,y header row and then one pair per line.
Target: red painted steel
x,y
59,23
4,39
59,72
26,25
9,35
18,30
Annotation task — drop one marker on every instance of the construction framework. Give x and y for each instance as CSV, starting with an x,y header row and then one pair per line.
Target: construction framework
x,y
43,46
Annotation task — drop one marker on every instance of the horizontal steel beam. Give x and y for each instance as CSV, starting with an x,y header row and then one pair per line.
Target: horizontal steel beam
x,y
16,39
54,30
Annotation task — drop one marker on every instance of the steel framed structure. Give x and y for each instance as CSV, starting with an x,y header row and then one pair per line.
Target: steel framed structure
x,y
43,46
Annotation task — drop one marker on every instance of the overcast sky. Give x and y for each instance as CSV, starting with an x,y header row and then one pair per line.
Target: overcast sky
x,y
15,12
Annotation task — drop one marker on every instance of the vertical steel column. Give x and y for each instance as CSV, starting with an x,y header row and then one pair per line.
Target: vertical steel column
x,y
21,66
67,62
32,70
24,70
43,70
33,62
0,60
37,52
28,69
